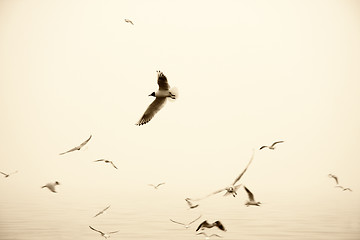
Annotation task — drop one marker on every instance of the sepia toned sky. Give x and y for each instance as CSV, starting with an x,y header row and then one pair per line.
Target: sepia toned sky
x,y
249,73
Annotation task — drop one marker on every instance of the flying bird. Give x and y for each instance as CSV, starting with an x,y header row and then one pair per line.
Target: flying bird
x,y
344,189
106,161
105,235
8,174
272,147
129,21
102,211
251,198
208,236
78,147
191,205
161,95
156,186
205,224
186,225
334,177
51,186
232,189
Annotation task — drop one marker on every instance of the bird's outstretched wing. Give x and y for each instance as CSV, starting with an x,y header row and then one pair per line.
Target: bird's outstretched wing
x,y
177,222
113,164
203,224
85,142
251,196
113,232
160,184
96,230
99,160
150,112
276,143
102,211
162,81
238,178
3,173
71,150
262,147
195,220
220,225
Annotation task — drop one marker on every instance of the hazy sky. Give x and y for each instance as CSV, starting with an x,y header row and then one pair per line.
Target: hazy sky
x,y
248,72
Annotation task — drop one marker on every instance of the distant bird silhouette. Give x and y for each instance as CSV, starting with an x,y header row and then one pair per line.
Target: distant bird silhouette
x,y
344,189
6,175
161,95
272,147
156,186
205,224
186,225
106,161
232,189
129,21
78,147
105,235
51,186
102,211
208,236
347,189
334,177
251,198
191,205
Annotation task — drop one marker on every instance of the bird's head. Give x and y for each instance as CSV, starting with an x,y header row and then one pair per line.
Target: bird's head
x,y
57,183
152,94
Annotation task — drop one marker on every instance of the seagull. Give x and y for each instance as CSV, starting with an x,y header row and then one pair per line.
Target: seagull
x,y
272,147
191,205
348,189
334,177
101,212
78,147
161,95
106,161
208,236
129,21
186,225
344,189
8,174
156,186
51,186
105,235
205,224
232,188
251,198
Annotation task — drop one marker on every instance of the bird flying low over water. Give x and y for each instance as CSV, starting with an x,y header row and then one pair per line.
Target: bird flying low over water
x,y
208,236
106,161
191,205
186,225
156,186
272,147
334,177
105,235
51,186
129,21
161,95
251,198
205,224
232,188
102,211
78,147
8,174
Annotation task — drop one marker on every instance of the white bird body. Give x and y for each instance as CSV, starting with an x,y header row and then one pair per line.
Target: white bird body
x,y
251,201
51,186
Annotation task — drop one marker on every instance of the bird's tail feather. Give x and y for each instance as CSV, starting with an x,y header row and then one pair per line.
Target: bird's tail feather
x,y
175,94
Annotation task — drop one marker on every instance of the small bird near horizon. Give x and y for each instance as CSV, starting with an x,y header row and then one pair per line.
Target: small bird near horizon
x,y
161,96
102,211
272,147
106,161
6,175
129,21
78,147
105,235
208,236
205,224
191,205
156,186
251,198
186,225
51,186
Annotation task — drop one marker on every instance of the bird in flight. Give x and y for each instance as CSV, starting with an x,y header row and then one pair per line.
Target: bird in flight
x,y
161,95
334,177
232,188
272,147
102,211
208,236
129,21
156,186
251,198
191,205
105,235
205,224
51,186
106,161
78,147
8,174
186,225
